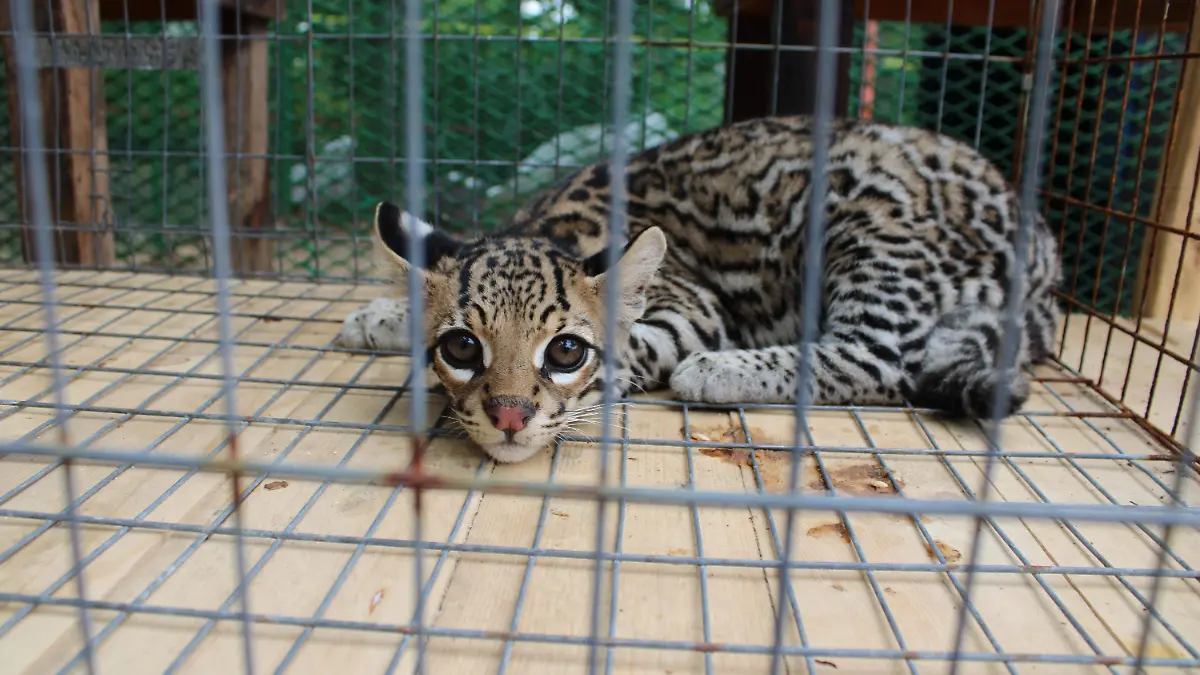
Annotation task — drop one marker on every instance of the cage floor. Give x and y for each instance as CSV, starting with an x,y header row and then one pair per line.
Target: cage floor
x,y
506,580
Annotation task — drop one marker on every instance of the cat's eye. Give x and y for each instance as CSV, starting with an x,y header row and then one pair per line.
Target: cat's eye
x,y
460,349
566,353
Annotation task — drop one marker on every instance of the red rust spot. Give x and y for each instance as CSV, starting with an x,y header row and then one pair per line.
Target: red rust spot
x,y
417,468
1103,414
1069,380
1110,660
237,477
422,481
707,647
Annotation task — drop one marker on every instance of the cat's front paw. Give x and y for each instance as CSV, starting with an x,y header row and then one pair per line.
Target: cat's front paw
x,y
728,377
381,325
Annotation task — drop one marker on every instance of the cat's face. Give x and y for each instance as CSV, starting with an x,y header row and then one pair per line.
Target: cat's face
x,y
514,329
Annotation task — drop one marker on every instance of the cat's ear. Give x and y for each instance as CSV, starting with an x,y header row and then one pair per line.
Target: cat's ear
x,y
391,236
635,270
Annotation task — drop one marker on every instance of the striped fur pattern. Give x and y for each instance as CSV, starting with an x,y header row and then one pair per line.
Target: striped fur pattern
x,y
919,265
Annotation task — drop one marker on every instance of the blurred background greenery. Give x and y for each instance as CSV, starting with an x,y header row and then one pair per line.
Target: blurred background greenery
x,y
518,93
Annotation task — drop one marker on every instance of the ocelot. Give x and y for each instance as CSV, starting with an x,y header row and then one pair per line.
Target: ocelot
x,y
920,261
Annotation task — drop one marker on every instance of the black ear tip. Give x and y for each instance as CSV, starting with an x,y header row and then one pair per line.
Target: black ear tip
x,y
387,214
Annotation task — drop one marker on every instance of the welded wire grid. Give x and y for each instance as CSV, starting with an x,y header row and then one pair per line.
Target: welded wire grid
x,y
333,517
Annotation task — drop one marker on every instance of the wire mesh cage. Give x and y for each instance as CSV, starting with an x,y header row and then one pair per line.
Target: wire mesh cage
x,y
195,476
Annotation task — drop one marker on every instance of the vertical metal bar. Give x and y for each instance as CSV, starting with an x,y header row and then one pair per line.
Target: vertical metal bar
x,y
1131,225
904,60
1151,244
691,50
414,183
987,59
312,214
946,30
517,109
522,592
864,56
1013,328
1070,165
778,15
558,110
705,612
731,65
243,241
773,528
128,142
1112,185
38,202
1096,143
814,255
281,198
56,108
620,107
436,190
647,52
163,193
1187,458
354,222
214,129
475,181
622,509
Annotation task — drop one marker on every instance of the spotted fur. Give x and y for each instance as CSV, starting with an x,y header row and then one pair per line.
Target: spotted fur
x,y
919,264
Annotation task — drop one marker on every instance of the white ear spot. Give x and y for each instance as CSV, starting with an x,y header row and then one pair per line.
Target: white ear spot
x,y
412,224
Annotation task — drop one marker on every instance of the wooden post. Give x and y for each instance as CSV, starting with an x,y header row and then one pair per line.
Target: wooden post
x,y
245,76
752,76
76,138
1179,198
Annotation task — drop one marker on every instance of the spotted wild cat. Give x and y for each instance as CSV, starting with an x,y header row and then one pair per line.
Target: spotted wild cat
x,y
920,248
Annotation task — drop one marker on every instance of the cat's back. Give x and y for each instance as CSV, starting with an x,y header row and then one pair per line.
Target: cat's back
x,y
744,187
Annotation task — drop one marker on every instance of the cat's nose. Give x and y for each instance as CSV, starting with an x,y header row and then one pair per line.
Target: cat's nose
x,y
509,414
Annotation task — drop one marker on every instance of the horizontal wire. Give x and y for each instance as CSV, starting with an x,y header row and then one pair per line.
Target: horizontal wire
x,y
615,642
1110,513
575,438
538,552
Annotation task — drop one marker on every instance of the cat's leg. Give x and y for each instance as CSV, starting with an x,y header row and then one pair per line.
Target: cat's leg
x,y
951,367
655,347
382,324
679,321
843,371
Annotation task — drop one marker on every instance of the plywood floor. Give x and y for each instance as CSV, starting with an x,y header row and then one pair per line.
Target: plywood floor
x,y
506,579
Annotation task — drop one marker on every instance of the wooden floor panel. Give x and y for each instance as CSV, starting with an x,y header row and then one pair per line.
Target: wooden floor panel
x,y
506,581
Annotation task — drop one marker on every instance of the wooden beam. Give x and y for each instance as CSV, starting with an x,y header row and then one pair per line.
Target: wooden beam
x,y
185,10
245,79
1178,207
76,136
1005,13
751,74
